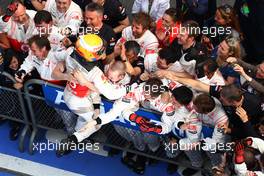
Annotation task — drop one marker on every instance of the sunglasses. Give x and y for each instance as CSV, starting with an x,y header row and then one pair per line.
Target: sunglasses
x,y
226,8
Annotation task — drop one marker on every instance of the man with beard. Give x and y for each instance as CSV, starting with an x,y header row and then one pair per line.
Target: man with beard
x,y
139,31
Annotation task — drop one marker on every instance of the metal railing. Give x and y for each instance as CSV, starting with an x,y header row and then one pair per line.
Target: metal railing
x,y
12,107
43,116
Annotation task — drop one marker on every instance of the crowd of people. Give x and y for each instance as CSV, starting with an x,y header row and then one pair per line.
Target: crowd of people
x,y
199,65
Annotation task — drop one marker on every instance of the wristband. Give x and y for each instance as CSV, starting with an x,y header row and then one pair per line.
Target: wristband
x,y
96,106
98,121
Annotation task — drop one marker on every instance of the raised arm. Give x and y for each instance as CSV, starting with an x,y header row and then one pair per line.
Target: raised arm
x,y
195,84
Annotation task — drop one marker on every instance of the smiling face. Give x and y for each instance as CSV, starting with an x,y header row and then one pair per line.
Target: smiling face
x,y
137,30
14,63
93,19
41,54
167,21
20,15
63,5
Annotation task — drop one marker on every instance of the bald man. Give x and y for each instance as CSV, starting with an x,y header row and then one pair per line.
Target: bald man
x,y
19,28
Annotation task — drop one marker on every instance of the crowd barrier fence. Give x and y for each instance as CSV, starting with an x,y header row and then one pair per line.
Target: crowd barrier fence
x,y
37,112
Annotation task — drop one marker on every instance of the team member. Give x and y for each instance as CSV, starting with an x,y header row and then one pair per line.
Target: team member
x,y
42,58
139,31
18,26
155,8
93,23
66,14
187,128
114,15
246,162
82,64
44,25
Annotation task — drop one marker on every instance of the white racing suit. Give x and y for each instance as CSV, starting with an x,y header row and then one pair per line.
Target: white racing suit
x,y
45,69
46,66
188,139
55,38
126,106
241,169
72,18
80,99
16,33
215,120
149,47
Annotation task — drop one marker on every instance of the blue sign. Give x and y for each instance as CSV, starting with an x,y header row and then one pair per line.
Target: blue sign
x,y
54,98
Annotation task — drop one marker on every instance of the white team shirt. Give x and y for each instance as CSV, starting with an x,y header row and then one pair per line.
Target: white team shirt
x,y
16,32
156,11
217,79
44,67
72,18
149,46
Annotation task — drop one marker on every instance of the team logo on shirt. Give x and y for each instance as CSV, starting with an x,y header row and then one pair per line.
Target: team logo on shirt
x,y
192,129
170,111
128,97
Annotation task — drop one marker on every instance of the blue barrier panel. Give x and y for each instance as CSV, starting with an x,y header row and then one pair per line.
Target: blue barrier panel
x,y
54,98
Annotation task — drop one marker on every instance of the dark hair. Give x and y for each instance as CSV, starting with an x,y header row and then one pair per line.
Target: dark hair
x,y
94,7
8,56
183,95
250,159
42,16
231,92
229,15
211,65
143,19
204,103
132,45
192,28
154,87
172,12
18,2
168,55
40,41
